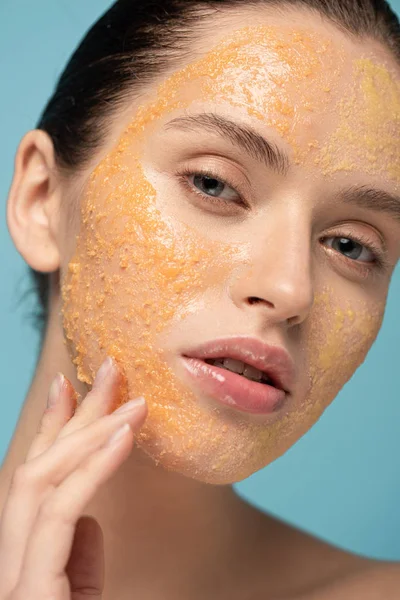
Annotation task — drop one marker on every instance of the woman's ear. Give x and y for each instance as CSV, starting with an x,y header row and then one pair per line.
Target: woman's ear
x,y
33,209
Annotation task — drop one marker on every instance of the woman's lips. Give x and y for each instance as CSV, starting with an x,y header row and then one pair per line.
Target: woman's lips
x,y
234,390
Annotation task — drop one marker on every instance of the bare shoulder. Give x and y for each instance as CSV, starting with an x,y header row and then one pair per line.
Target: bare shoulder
x,y
375,581
309,568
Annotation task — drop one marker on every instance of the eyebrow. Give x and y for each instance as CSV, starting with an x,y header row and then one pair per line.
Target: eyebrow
x,y
372,199
243,136
247,139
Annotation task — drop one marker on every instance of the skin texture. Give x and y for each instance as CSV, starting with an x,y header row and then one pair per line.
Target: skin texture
x,y
149,269
146,269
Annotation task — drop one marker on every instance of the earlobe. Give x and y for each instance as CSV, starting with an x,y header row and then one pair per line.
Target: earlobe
x,y
33,203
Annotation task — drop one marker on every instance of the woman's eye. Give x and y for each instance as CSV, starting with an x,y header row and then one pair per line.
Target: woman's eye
x,y
214,187
351,249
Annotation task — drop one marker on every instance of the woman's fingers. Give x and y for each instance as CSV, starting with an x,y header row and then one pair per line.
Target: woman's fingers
x,y
21,504
37,480
86,569
67,453
64,441
43,572
60,408
101,400
62,415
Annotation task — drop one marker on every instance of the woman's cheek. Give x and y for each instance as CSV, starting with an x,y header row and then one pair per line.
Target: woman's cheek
x,y
340,336
336,342
133,271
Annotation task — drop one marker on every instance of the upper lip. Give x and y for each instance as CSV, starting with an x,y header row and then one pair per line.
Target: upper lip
x,y
274,361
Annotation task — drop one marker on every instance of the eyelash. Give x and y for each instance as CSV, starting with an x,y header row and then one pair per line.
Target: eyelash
x,y
380,263
182,175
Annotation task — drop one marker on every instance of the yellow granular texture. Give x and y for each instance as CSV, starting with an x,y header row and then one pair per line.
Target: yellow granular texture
x,y
135,275
369,125
339,339
281,79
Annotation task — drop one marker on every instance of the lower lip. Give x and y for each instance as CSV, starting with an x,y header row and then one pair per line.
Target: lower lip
x,y
234,390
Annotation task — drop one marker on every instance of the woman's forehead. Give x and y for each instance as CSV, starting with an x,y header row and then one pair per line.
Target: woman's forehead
x,y
336,103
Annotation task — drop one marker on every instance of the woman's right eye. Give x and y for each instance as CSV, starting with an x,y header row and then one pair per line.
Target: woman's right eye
x,y
212,188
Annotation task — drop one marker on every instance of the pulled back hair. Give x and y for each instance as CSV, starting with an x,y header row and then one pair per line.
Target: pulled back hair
x,y
133,42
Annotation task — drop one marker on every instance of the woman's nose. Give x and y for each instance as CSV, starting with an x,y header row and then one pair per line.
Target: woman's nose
x,y
278,281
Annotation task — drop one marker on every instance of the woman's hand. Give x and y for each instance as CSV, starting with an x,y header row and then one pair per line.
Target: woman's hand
x,y
47,549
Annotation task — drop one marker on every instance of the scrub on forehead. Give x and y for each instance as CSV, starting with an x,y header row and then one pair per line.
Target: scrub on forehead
x,y
137,274
369,124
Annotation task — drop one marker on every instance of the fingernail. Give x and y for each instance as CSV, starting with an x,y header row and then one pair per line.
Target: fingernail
x,y
55,389
104,371
131,405
118,435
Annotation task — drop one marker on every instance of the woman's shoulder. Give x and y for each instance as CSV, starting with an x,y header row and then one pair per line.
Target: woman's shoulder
x,y
309,568
374,581
348,576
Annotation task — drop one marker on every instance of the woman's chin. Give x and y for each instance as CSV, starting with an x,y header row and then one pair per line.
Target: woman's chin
x,y
224,458
194,466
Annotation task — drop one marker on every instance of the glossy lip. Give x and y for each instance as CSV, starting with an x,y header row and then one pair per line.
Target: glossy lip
x,y
233,390
274,361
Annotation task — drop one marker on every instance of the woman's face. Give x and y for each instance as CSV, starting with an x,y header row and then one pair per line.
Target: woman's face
x,y
185,219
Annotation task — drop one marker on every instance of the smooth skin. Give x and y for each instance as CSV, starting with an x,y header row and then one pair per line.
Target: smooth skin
x,y
72,455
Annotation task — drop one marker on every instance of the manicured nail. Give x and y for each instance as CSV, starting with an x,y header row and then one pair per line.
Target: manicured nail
x,y
105,369
55,389
118,435
131,405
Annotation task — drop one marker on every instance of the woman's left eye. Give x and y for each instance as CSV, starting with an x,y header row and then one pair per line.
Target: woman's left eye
x,y
213,187
352,249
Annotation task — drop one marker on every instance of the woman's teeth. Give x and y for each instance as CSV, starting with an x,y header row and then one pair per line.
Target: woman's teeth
x,y
237,366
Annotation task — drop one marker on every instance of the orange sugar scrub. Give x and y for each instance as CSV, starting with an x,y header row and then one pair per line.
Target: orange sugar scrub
x,y
369,124
136,274
297,83
282,77
340,336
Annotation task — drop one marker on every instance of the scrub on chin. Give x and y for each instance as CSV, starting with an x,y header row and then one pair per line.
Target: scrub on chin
x,y
137,273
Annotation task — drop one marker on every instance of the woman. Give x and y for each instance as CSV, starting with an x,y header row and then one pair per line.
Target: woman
x,y
210,209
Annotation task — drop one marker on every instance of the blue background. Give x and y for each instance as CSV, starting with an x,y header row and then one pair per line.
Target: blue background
x,y
341,481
